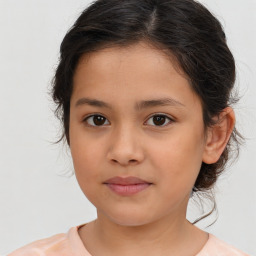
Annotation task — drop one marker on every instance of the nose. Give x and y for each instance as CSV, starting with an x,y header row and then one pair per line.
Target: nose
x,y
125,147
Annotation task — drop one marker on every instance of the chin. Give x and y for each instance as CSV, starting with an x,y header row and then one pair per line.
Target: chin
x,y
130,219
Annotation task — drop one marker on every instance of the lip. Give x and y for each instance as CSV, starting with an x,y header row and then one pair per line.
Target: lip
x,y
126,181
127,186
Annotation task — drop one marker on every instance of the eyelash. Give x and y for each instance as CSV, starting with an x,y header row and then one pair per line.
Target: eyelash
x,y
155,115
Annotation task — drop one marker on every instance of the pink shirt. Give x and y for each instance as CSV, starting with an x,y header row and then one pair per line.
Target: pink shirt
x,y
70,244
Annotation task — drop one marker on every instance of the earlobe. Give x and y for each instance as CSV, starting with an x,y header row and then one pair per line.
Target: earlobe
x,y
218,136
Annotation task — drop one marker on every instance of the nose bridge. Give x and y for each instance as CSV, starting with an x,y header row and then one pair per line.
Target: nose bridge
x,y
124,134
125,144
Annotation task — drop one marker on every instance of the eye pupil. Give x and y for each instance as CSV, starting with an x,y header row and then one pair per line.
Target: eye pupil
x,y
159,120
98,120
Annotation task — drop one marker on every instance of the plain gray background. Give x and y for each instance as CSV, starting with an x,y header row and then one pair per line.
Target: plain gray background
x,y
36,200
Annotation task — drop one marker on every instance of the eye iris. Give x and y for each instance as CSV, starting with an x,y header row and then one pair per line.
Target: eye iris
x,y
159,120
98,120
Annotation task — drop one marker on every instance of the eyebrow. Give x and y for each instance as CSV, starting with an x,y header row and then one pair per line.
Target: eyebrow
x,y
138,105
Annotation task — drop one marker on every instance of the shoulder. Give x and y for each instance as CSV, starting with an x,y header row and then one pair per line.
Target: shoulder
x,y
51,246
215,246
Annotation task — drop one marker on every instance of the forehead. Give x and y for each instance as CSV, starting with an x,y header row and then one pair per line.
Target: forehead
x,y
135,71
143,55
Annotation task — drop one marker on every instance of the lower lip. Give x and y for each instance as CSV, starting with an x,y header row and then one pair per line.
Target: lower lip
x,y
127,190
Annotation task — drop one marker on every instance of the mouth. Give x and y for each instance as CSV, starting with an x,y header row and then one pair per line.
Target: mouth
x,y
126,186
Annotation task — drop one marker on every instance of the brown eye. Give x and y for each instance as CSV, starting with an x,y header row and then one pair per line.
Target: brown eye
x,y
95,120
160,120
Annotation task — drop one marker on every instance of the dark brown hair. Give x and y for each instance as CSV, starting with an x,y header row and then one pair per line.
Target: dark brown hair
x,y
183,28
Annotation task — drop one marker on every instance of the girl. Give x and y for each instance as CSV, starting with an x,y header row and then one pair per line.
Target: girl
x,y
143,89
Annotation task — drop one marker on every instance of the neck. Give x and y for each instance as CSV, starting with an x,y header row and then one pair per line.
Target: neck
x,y
171,235
119,235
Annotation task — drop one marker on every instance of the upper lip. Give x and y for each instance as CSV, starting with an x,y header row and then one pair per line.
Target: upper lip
x,y
125,180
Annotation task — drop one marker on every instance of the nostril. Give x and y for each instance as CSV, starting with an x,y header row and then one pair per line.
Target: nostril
x,y
130,161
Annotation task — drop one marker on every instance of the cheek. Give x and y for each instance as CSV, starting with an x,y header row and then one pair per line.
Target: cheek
x,y
178,160
85,155
86,163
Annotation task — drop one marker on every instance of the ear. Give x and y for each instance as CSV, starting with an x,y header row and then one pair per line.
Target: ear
x,y
218,135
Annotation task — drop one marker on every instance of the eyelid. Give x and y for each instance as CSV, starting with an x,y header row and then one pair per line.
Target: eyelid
x,y
172,119
84,119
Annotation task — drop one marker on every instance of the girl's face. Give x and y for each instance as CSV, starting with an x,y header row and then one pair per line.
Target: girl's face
x,y
133,114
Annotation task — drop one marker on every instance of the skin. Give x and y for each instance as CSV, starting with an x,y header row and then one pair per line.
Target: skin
x,y
129,142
